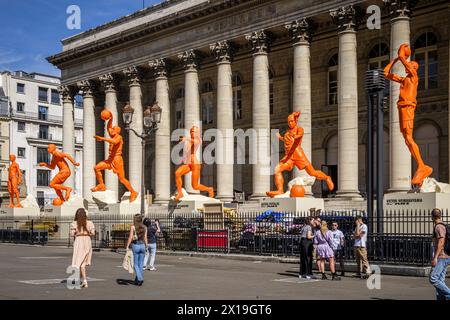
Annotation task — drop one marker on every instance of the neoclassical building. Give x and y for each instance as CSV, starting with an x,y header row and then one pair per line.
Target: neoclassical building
x,y
248,64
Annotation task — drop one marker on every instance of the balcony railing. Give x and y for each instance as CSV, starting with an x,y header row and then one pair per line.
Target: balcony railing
x,y
39,117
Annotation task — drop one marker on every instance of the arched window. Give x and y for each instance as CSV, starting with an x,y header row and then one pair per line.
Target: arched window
x,y
207,103
427,138
333,80
378,59
271,99
425,53
237,96
179,108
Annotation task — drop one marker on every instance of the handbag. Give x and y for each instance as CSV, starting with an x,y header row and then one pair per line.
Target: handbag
x,y
135,237
127,263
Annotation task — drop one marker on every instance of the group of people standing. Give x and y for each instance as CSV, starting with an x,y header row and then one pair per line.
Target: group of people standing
x,y
321,244
142,239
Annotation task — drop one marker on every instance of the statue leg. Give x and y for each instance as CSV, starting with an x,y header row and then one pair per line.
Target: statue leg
x,y
320,176
181,171
196,185
57,184
98,173
18,199
127,184
278,177
11,194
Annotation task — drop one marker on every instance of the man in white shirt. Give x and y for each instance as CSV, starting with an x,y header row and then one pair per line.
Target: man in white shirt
x,y
337,244
360,248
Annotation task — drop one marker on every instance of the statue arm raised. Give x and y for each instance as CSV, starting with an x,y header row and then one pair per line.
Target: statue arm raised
x,y
406,65
392,76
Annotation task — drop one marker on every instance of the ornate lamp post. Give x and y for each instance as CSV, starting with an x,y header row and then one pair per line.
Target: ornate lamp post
x,y
152,117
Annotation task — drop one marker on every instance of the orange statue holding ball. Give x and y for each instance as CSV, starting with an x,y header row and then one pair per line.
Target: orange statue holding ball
x,y
295,156
406,107
115,159
14,179
58,160
191,164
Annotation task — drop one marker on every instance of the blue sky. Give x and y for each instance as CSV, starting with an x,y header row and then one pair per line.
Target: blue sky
x,y
31,30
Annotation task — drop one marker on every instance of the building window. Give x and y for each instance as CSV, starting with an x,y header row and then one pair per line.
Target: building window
x,y
21,126
55,97
43,113
43,178
237,96
425,54
207,103
378,59
20,107
43,155
271,91
179,108
21,88
333,80
78,99
43,94
43,132
21,152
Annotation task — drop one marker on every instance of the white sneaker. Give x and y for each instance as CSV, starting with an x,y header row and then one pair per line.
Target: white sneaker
x,y
152,269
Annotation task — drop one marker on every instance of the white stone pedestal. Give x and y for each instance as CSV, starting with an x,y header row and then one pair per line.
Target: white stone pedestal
x,y
31,212
67,209
416,201
291,204
104,197
190,202
122,208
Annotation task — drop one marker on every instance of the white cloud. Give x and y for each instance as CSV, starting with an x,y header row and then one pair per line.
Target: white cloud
x,y
8,57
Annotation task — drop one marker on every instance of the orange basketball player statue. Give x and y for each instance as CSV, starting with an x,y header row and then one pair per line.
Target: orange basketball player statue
x,y
295,156
191,164
59,160
14,179
406,106
115,159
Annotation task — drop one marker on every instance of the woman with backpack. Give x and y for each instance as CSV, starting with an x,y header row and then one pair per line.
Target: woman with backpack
x,y
153,231
137,239
323,238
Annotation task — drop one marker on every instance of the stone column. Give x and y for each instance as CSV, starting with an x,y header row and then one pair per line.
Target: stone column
x,y
191,102
89,161
400,157
261,113
162,139
109,83
225,139
301,35
67,94
345,18
134,78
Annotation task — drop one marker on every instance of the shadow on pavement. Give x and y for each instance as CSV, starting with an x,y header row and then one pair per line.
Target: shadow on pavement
x,y
125,282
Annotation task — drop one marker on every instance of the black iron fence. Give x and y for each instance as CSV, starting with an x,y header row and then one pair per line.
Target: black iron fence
x,y
405,237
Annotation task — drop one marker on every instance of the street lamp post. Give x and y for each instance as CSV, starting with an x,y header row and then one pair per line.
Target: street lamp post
x,y
375,84
152,117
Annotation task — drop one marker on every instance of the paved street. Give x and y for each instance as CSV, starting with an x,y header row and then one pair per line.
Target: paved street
x,y
39,273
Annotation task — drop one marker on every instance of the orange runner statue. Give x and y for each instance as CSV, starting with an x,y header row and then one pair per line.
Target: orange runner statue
x,y
192,164
406,106
14,180
115,159
295,156
59,160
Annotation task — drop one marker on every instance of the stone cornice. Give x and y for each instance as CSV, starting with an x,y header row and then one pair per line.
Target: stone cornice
x,y
222,51
259,41
400,8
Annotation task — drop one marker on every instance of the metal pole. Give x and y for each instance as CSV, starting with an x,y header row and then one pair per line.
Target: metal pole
x,y
369,162
380,160
143,177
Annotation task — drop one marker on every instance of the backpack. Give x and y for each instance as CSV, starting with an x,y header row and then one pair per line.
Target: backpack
x,y
447,237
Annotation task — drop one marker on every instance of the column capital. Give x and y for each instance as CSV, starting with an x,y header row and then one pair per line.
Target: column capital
x,y
87,87
189,59
346,18
133,75
259,40
159,67
67,93
109,81
400,8
222,50
301,30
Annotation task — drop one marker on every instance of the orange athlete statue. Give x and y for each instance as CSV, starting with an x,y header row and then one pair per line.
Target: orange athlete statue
x,y
115,159
58,160
14,179
295,156
406,106
191,164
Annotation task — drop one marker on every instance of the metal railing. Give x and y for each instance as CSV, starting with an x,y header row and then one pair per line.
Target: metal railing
x,y
406,237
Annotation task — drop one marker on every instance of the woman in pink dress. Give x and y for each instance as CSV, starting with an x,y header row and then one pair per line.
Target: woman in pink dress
x,y
322,239
82,230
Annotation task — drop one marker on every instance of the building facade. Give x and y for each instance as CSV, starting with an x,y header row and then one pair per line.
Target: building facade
x,y
239,64
36,120
4,141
